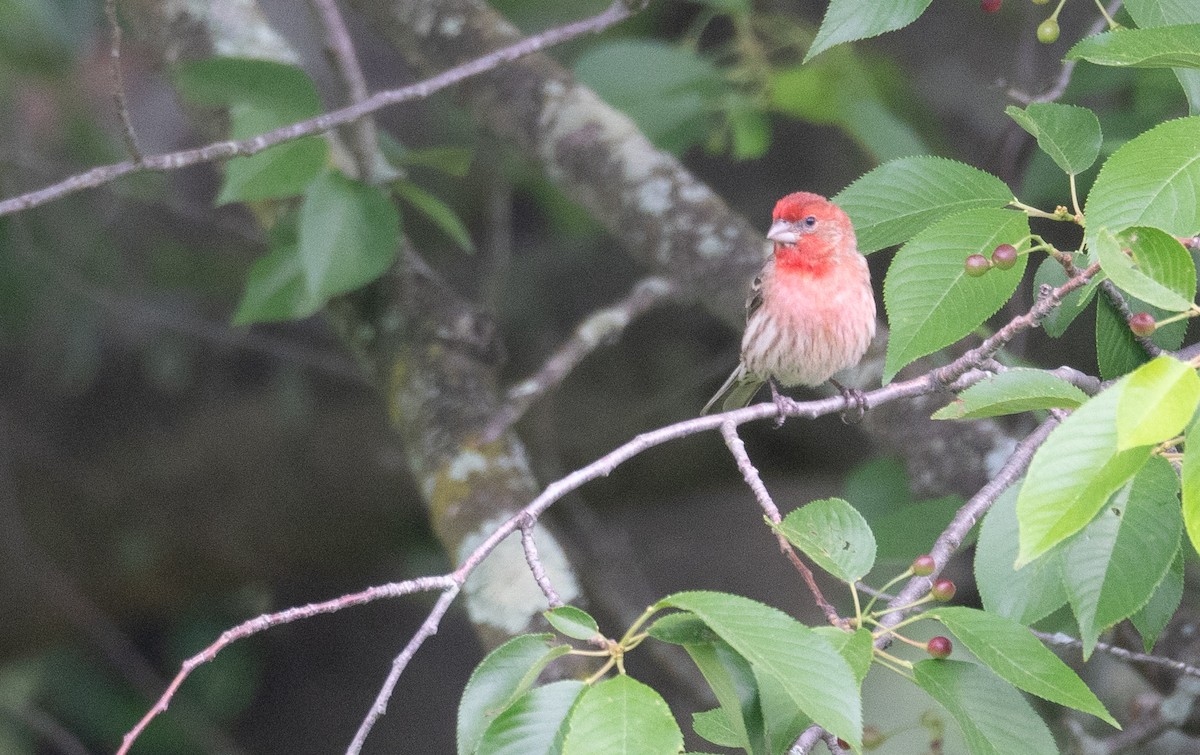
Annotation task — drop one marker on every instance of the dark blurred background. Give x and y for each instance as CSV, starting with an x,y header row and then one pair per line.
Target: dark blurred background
x,y
164,475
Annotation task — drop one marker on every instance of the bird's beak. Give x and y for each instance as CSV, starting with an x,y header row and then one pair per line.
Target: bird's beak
x,y
783,232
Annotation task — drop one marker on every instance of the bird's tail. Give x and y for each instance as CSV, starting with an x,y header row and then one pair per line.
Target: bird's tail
x,y
737,391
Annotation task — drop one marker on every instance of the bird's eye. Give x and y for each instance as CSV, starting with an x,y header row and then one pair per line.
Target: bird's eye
x,y
810,221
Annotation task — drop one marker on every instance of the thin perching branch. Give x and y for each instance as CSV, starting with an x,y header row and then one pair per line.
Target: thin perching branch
x,y
737,448
535,563
1067,641
342,55
118,82
171,161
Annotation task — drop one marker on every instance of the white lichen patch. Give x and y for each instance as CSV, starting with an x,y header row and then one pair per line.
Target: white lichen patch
x,y
501,592
451,26
654,196
694,192
467,463
236,28
710,245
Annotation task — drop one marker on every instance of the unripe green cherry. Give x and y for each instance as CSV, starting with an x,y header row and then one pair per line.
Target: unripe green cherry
x,y
1047,31
943,590
976,265
923,565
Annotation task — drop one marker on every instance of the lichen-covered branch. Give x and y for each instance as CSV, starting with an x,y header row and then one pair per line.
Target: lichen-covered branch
x,y
660,212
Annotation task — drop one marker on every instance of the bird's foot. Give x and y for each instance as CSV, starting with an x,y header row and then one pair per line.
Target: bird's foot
x,y
856,403
783,404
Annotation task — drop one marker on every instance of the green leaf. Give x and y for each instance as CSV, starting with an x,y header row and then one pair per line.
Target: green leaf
x,y
1025,595
348,234
682,629
1190,480
1073,474
1013,392
535,722
931,301
848,20
1069,134
261,96
1152,180
892,203
621,714
817,679
1119,559
839,90
995,719
1051,273
677,88
714,726
1163,259
1150,13
284,170
452,161
782,722
834,535
1158,401
1016,656
1132,271
906,533
496,681
1152,618
1159,47
437,211
732,682
856,647
573,622
275,287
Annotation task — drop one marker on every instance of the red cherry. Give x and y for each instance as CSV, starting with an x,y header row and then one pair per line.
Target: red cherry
x,y
943,590
939,647
1142,324
989,6
1005,256
924,565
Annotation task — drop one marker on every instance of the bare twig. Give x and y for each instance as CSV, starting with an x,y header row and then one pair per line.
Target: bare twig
x,y
266,621
750,474
340,48
118,81
535,564
101,175
1064,640
428,628
807,739
599,328
1063,79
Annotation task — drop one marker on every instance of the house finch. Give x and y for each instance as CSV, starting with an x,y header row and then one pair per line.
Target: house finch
x,y
811,311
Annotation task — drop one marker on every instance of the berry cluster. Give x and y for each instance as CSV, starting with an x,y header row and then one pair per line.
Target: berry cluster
x,y
1003,258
